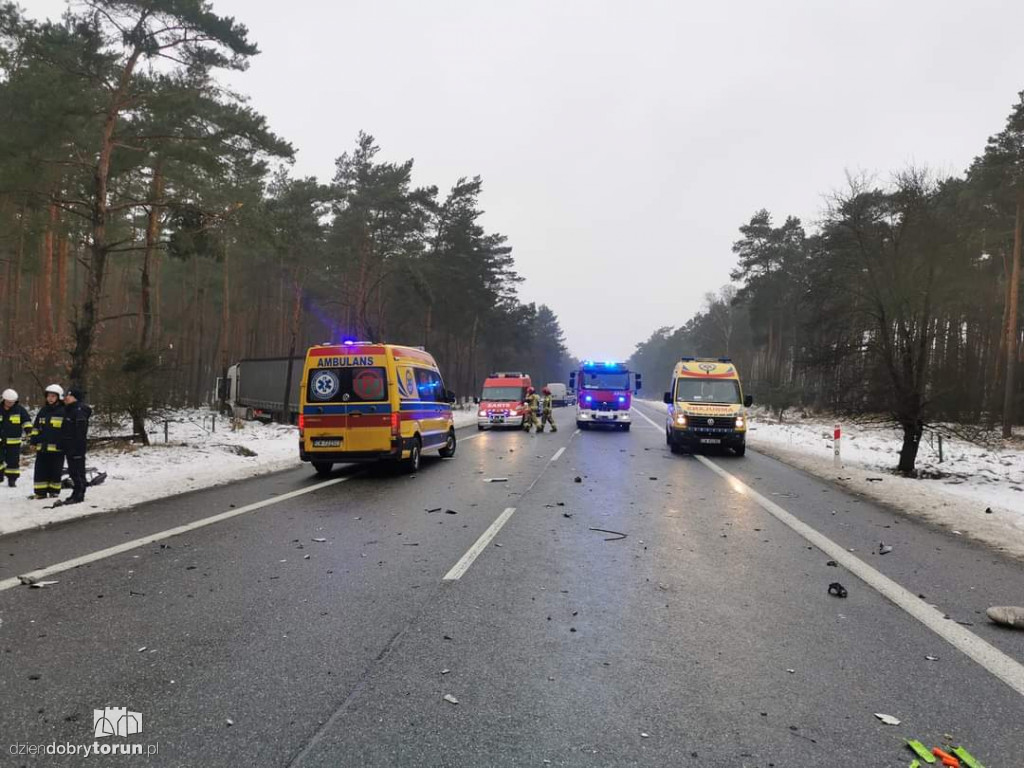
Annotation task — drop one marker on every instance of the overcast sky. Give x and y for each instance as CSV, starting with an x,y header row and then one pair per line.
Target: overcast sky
x,y
621,144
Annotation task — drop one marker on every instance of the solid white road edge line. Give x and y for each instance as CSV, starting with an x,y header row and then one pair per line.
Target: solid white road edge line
x,y
467,559
92,557
988,656
558,453
471,437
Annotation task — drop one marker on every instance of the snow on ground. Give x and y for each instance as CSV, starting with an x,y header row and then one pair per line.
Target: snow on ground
x,y
953,494
199,454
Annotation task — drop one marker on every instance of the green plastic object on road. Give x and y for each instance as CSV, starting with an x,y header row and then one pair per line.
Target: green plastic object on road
x,y
967,758
914,764
921,750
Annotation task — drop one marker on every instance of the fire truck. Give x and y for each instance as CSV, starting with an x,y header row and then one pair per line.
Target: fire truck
x,y
501,402
604,394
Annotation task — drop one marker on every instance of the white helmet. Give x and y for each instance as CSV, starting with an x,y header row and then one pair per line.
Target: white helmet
x,y
57,389
11,395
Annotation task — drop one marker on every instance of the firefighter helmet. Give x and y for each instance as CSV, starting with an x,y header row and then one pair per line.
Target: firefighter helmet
x,y
530,390
56,389
546,391
10,395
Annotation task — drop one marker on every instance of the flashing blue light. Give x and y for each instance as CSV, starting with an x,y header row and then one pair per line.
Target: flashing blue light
x,y
622,399
349,342
589,398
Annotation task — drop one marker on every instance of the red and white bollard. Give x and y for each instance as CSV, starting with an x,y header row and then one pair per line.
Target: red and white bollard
x,y
837,437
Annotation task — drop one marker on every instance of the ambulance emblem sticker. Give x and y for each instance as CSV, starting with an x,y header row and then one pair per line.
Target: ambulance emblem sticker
x,y
707,367
325,385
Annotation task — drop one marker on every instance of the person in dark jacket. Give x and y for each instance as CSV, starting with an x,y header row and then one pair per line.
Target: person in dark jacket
x,y
46,434
15,426
73,433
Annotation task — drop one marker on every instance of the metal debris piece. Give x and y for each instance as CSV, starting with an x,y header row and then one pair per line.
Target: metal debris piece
x,y
495,479
450,699
883,548
616,535
1007,615
42,584
887,719
319,540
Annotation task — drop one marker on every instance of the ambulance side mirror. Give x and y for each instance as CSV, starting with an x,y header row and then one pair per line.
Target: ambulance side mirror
x,y
572,380
668,398
476,401
449,396
748,401
639,383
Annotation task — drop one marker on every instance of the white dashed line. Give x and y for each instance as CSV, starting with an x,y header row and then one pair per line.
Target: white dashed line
x,y
467,559
558,453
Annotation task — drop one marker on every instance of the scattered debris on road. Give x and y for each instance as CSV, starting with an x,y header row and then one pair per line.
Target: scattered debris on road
x,y
577,479
445,671
832,564
42,584
450,699
988,510
1007,615
837,589
887,719
433,509
932,658
319,540
616,535
495,479
873,479
883,548
450,512
229,722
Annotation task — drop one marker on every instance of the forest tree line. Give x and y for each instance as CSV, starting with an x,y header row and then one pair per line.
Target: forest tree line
x,y
151,232
902,304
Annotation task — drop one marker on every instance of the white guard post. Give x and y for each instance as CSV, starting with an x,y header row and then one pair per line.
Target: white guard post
x,y
837,437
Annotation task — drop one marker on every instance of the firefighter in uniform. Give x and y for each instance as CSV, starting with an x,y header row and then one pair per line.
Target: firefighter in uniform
x,y
46,435
73,433
15,425
545,411
532,406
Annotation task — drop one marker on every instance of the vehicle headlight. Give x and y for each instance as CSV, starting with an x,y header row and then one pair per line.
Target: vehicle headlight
x,y
482,413
740,422
681,419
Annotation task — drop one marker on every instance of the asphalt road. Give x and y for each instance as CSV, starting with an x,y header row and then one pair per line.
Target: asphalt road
x,y
704,637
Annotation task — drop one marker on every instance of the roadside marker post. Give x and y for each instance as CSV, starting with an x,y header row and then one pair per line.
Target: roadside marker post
x,y
836,440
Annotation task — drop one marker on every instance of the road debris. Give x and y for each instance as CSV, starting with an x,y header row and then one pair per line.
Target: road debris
x,y
445,671
988,510
432,510
883,548
644,735
567,514
945,758
450,699
931,658
887,719
229,722
450,512
319,540
616,535
837,589
957,533
1007,615
873,479
967,758
495,479
920,750
42,584
832,564
577,479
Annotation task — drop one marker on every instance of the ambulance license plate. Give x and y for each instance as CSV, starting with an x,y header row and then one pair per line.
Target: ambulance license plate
x,y
327,442
711,441
497,419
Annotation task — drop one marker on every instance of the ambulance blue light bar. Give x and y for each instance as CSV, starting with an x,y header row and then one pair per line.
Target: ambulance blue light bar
x,y
602,364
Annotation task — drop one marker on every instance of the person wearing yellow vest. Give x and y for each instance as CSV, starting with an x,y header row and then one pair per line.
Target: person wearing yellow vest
x,y
15,425
46,435
545,411
532,407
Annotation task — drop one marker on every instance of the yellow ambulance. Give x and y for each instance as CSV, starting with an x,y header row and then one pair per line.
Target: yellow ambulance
x,y
706,406
364,401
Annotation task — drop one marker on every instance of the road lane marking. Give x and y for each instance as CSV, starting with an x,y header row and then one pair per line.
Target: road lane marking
x,y
127,546
467,559
988,656
991,658
558,453
471,437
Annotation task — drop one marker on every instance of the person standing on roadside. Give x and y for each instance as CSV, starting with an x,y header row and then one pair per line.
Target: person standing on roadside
x,y
46,435
73,434
530,410
545,411
15,426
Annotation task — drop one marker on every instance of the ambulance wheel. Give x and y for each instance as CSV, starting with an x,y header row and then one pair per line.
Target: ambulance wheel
x,y
323,468
676,448
741,449
668,438
412,464
449,446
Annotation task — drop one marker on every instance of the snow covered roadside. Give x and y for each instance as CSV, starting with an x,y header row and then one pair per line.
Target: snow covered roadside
x,y
194,458
953,494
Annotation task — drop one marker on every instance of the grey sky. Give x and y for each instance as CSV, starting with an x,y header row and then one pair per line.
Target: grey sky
x,y
622,143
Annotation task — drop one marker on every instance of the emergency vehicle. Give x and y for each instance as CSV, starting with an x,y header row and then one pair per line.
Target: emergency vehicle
x,y
502,399
604,393
706,406
363,401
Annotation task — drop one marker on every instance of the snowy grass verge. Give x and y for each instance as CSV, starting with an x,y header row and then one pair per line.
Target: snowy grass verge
x,y
195,457
954,494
